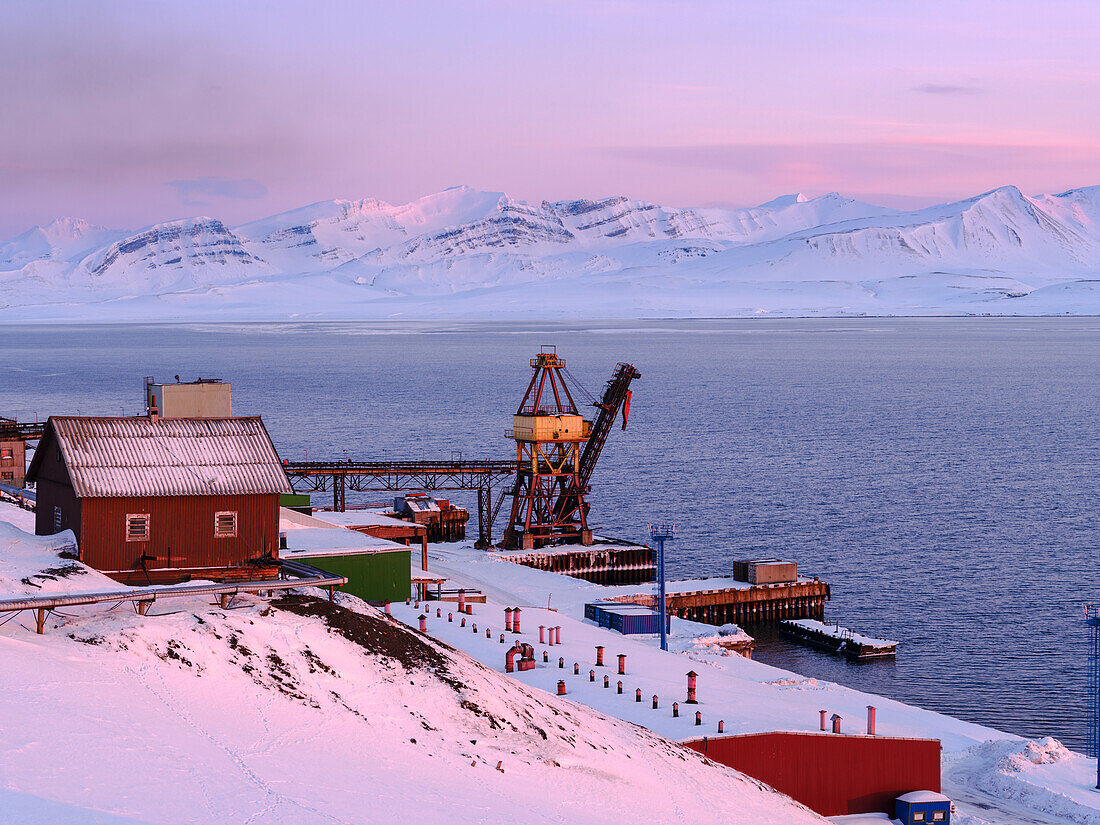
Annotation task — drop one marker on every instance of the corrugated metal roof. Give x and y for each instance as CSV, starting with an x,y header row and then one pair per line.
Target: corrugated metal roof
x,y
109,457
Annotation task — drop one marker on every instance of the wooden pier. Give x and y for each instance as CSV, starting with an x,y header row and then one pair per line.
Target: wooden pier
x,y
608,563
724,600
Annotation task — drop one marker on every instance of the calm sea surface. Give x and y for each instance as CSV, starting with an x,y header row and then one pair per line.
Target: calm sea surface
x,y
941,474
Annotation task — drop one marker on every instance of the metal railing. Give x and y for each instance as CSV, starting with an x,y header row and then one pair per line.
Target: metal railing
x,y
145,596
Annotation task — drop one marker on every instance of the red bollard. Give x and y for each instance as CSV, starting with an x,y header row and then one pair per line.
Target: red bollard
x,y
622,663
721,726
561,662
691,687
475,628
561,687
408,601
463,622
508,619
542,634
638,695
545,656
423,623
606,682
386,607
591,676
824,724
620,687
655,701
698,717
515,619
576,669
550,640
675,709
450,617
599,655
870,720
502,638
836,723
557,635
438,613
488,633
461,601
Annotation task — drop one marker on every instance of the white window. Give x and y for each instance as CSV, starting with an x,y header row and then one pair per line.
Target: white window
x,y
137,527
225,524
918,816
939,816
57,519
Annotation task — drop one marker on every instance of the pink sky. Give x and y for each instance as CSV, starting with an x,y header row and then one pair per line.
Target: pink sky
x,y
128,113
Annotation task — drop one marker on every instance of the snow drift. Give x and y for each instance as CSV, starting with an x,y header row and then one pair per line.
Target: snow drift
x,y
304,711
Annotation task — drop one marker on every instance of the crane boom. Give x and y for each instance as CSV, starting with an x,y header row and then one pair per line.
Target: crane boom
x,y
615,395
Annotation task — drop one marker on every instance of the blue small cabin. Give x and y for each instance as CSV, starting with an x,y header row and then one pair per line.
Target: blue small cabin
x,y
919,807
625,618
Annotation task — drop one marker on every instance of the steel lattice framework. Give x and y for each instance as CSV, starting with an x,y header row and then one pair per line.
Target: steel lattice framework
x,y
399,476
21,430
552,469
547,461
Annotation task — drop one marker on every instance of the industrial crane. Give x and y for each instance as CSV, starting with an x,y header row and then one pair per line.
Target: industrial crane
x,y
552,469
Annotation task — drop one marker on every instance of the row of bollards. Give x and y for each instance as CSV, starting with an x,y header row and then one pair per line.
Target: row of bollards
x,y
511,619
553,638
836,719
512,624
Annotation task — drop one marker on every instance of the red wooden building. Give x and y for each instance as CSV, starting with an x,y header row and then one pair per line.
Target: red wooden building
x,y
832,774
162,499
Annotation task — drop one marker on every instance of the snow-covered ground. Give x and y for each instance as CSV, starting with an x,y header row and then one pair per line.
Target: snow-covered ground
x,y
298,711
992,776
470,254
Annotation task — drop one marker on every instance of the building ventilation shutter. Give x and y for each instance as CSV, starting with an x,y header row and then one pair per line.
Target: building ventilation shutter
x,y
225,524
137,527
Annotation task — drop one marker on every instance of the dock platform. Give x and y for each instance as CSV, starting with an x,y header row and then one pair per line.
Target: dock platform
x,y
605,562
721,600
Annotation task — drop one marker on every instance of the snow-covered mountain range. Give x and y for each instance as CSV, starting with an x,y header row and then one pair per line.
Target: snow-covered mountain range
x,y
464,253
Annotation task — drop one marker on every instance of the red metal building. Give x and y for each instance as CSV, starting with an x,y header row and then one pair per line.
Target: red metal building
x,y
162,499
832,774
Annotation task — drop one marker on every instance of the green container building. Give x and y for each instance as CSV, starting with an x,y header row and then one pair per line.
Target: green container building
x,y
375,576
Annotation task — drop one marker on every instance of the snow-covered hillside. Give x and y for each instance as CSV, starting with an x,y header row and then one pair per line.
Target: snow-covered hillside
x,y
300,711
464,253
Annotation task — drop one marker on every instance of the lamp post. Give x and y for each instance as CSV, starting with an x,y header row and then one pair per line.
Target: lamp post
x,y
660,533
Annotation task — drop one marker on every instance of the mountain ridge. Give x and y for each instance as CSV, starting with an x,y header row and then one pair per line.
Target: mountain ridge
x,y
607,257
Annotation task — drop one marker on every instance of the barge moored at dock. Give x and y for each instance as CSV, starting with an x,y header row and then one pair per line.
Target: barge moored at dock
x,y
842,641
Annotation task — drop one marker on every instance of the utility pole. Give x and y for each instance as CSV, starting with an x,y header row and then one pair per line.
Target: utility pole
x,y
1092,619
661,533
